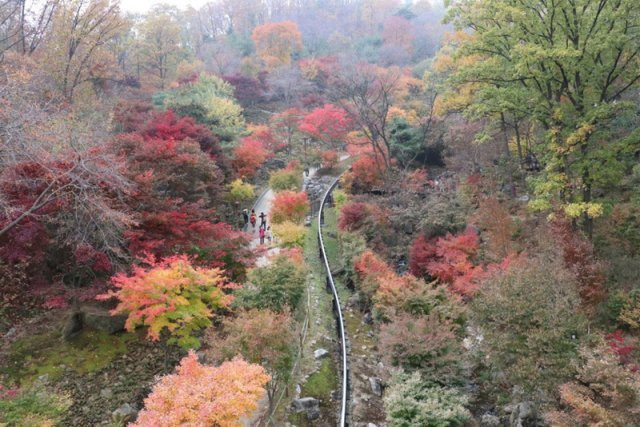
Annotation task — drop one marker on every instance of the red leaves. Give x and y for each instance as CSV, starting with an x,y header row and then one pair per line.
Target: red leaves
x,y
449,260
289,206
248,157
579,258
361,216
327,124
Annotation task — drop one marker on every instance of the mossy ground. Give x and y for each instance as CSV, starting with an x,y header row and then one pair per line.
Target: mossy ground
x,y
48,354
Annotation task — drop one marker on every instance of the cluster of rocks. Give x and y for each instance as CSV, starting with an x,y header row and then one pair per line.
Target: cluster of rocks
x,y
114,394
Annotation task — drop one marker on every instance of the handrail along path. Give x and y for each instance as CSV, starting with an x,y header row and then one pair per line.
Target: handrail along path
x,y
336,299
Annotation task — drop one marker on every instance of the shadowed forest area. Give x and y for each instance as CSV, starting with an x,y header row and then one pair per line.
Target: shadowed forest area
x,y
483,237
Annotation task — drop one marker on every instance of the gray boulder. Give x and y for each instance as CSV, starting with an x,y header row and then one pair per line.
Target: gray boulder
x,y
320,353
376,386
308,405
523,414
103,321
124,414
489,420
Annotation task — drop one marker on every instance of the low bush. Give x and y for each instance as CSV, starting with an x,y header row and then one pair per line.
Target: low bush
x,y
286,179
289,234
411,401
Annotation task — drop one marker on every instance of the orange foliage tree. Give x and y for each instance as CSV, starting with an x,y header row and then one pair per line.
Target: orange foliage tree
x,y
199,395
289,206
170,295
366,174
249,156
276,42
329,159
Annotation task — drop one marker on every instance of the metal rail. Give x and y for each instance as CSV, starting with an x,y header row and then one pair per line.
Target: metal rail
x,y
338,310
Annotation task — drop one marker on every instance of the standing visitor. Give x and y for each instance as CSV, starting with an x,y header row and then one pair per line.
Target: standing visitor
x,y
263,220
245,217
269,235
253,218
262,234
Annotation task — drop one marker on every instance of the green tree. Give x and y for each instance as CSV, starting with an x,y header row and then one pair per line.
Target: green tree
x,y
531,325
570,62
277,287
210,102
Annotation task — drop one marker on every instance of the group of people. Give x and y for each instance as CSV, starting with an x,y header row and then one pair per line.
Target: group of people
x,y
264,231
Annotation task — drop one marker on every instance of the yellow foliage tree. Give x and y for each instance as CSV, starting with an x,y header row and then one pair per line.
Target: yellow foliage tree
x,y
276,42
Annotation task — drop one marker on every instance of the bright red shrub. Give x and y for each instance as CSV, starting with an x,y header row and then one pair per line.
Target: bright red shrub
x,y
167,126
327,124
289,206
448,260
263,134
248,157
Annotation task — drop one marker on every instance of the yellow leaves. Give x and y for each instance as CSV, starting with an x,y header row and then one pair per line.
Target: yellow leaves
x,y
590,209
289,234
581,135
276,42
240,191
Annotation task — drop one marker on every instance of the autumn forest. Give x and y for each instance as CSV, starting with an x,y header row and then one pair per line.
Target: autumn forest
x,y
366,213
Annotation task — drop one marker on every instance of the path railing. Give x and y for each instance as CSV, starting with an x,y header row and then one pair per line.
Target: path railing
x,y
337,311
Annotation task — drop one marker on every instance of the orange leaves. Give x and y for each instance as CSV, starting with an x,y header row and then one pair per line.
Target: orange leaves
x,y
199,395
170,295
276,42
289,206
249,156
367,173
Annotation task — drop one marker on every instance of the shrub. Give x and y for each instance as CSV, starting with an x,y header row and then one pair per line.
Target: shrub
x,y
329,159
410,401
363,217
289,206
448,260
366,174
289,234
531,324
240,191
202,395
579,258
278,286
602,393
286,179
170,295
370,268
339,198
262,337
352,245
426,343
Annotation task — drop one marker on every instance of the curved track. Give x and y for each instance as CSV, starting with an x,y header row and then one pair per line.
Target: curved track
x,y
338,312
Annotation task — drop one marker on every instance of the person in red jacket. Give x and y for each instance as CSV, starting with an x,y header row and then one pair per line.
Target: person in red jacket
x,y
262,234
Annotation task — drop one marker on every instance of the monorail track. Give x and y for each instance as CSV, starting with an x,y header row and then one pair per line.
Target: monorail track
x,y
337,308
